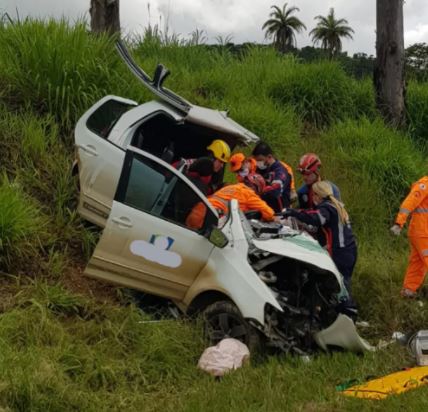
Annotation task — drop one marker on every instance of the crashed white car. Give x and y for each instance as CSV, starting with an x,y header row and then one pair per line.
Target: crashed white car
x,y
251,280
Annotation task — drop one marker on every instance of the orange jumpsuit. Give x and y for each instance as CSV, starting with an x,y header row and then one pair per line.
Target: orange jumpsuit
x,y
416,204
246,197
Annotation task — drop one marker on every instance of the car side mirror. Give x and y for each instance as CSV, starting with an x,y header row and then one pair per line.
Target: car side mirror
x,y
217,237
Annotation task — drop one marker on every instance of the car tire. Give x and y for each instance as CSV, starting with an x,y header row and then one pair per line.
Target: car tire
x,y
223,319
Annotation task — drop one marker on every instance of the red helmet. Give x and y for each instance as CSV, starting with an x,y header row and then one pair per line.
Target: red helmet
x,y
309,163
255,182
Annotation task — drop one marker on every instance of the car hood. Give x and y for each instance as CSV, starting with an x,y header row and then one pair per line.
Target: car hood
x,y
301,247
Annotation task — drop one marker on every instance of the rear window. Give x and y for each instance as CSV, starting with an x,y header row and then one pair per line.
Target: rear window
x,y
105,117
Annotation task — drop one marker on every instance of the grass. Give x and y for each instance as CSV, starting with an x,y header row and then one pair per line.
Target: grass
x,y
70,345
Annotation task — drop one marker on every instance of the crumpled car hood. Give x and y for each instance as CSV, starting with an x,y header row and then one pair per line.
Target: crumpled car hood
x,y
301,247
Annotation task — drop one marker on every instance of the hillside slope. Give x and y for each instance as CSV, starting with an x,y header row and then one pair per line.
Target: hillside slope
x,y
68,343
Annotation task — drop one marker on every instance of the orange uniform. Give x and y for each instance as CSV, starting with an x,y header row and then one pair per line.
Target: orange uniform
x,y
246,197
416,205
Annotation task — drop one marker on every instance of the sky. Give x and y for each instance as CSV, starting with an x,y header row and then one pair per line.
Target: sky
x,y
241,19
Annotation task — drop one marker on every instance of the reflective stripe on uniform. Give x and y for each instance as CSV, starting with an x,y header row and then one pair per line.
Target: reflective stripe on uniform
x,y
341,234
405,211
321,218
420,210
424,252
279,182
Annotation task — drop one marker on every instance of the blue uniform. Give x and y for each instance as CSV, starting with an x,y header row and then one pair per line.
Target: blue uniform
x,y
334,235
305,195
278,184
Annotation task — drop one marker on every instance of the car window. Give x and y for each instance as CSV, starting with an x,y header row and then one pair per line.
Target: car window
x,y
153,188
105,117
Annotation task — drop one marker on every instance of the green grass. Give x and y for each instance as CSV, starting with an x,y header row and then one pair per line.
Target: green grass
x,y
62,350
53,358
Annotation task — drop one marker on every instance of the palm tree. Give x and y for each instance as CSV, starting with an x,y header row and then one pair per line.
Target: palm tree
x,y
329,32
282,26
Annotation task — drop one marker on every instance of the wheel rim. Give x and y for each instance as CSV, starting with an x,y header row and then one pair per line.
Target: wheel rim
x,y
225,325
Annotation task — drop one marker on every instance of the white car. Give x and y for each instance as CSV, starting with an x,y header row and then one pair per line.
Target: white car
x,y
250,280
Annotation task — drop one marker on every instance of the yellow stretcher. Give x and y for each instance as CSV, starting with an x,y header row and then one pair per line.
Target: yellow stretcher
x,y
392,384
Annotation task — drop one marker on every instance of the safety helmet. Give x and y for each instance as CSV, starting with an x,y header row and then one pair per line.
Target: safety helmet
x,y
256,182
220,150
309,163
236,161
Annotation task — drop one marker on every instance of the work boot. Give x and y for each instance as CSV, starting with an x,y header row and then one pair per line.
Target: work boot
x,y
407,293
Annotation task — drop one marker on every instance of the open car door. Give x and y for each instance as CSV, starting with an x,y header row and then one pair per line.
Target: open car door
x,y
146,244
213,119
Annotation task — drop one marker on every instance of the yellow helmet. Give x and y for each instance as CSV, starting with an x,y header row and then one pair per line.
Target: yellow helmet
x,y
220,149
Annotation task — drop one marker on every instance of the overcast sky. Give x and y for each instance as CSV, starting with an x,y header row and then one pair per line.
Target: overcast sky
x,y
241,19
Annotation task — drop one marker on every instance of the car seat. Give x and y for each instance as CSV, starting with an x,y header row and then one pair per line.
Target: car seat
x,y
168,153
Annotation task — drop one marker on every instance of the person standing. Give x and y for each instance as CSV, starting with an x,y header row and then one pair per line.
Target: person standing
x,y
416,205
278,181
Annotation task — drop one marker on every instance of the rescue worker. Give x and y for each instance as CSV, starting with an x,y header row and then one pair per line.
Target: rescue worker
x,y
219,152
247,195
278,182
200,174
242,166
334,231
416,205
309,167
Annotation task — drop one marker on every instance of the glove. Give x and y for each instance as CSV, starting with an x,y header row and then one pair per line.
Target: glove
x,y
395,230
286,212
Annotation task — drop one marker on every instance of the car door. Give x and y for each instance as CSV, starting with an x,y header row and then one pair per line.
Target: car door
x,y
146,244
99,159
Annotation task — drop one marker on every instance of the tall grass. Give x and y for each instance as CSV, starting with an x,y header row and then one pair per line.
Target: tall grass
x,y
43,190
61,351
57,68
20,223
317,90
417,113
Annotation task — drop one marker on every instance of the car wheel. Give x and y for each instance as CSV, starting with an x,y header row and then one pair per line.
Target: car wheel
x,y
224,320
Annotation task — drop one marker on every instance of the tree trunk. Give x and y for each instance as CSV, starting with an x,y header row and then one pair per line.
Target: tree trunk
x,y
105,16
389,66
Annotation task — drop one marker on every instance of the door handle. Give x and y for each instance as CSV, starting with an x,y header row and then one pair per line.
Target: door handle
x,y
122,221
88,149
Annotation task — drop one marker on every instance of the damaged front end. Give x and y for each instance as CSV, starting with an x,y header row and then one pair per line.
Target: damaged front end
x,y
308,288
